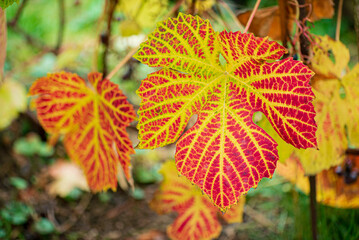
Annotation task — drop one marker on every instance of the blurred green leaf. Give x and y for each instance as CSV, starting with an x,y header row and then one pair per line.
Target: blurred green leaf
x,y
32,145
104,197
18,182
138,194
144,175
44,226
16,213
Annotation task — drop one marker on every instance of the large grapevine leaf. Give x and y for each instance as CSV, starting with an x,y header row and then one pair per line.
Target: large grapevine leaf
x,y
6,3
197,217
332,188
94,121
224,153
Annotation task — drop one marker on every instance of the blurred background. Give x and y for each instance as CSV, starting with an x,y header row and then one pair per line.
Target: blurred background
x,y
43,195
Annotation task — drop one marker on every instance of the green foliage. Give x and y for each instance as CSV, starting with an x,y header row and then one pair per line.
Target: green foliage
x,y
5,3
16,213
18,183
31,145
44,226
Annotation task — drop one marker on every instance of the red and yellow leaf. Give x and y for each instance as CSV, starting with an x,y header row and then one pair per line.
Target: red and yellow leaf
x,y
94,120
224,153
197,217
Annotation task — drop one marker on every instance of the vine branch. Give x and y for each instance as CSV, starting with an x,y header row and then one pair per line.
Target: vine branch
x,y
252,16
106,37
339,20
60,34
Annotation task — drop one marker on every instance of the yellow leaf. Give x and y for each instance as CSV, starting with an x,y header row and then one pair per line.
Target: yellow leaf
x,y
12,101
332,141
330,57
332,189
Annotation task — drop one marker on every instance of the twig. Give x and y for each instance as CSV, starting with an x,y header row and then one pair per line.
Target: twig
x,y
252,16
233,16
356,22
303,38
283,10
97,43
30,39
192,9
106,38
123,62
60,34
18,13
174,8
313,206
78,212
258,217
134,50
339,20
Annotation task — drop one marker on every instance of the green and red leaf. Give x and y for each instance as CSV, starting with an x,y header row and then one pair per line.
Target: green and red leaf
x,y
92,118
224,153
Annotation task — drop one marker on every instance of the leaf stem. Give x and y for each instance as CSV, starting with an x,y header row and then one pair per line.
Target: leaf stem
x,y
106,37
313,205
252,16
61,30
123,62
339,20
134,50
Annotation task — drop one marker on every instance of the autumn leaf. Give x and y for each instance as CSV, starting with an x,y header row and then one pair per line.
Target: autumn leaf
x,y
67,176
92,118
140,15
332,188
197,217
12,101
336,105
332,140
224,153
330,58
266,21
6,3
2,43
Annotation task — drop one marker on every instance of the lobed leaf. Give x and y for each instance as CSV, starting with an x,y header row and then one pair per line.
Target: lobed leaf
x,y
224,153
93,120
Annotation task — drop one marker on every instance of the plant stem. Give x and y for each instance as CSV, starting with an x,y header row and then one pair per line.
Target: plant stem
x,y
106,37
339,20
60,34
303,39
283,10
252,16
356,22
192,9
18,14
313,205
123,62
